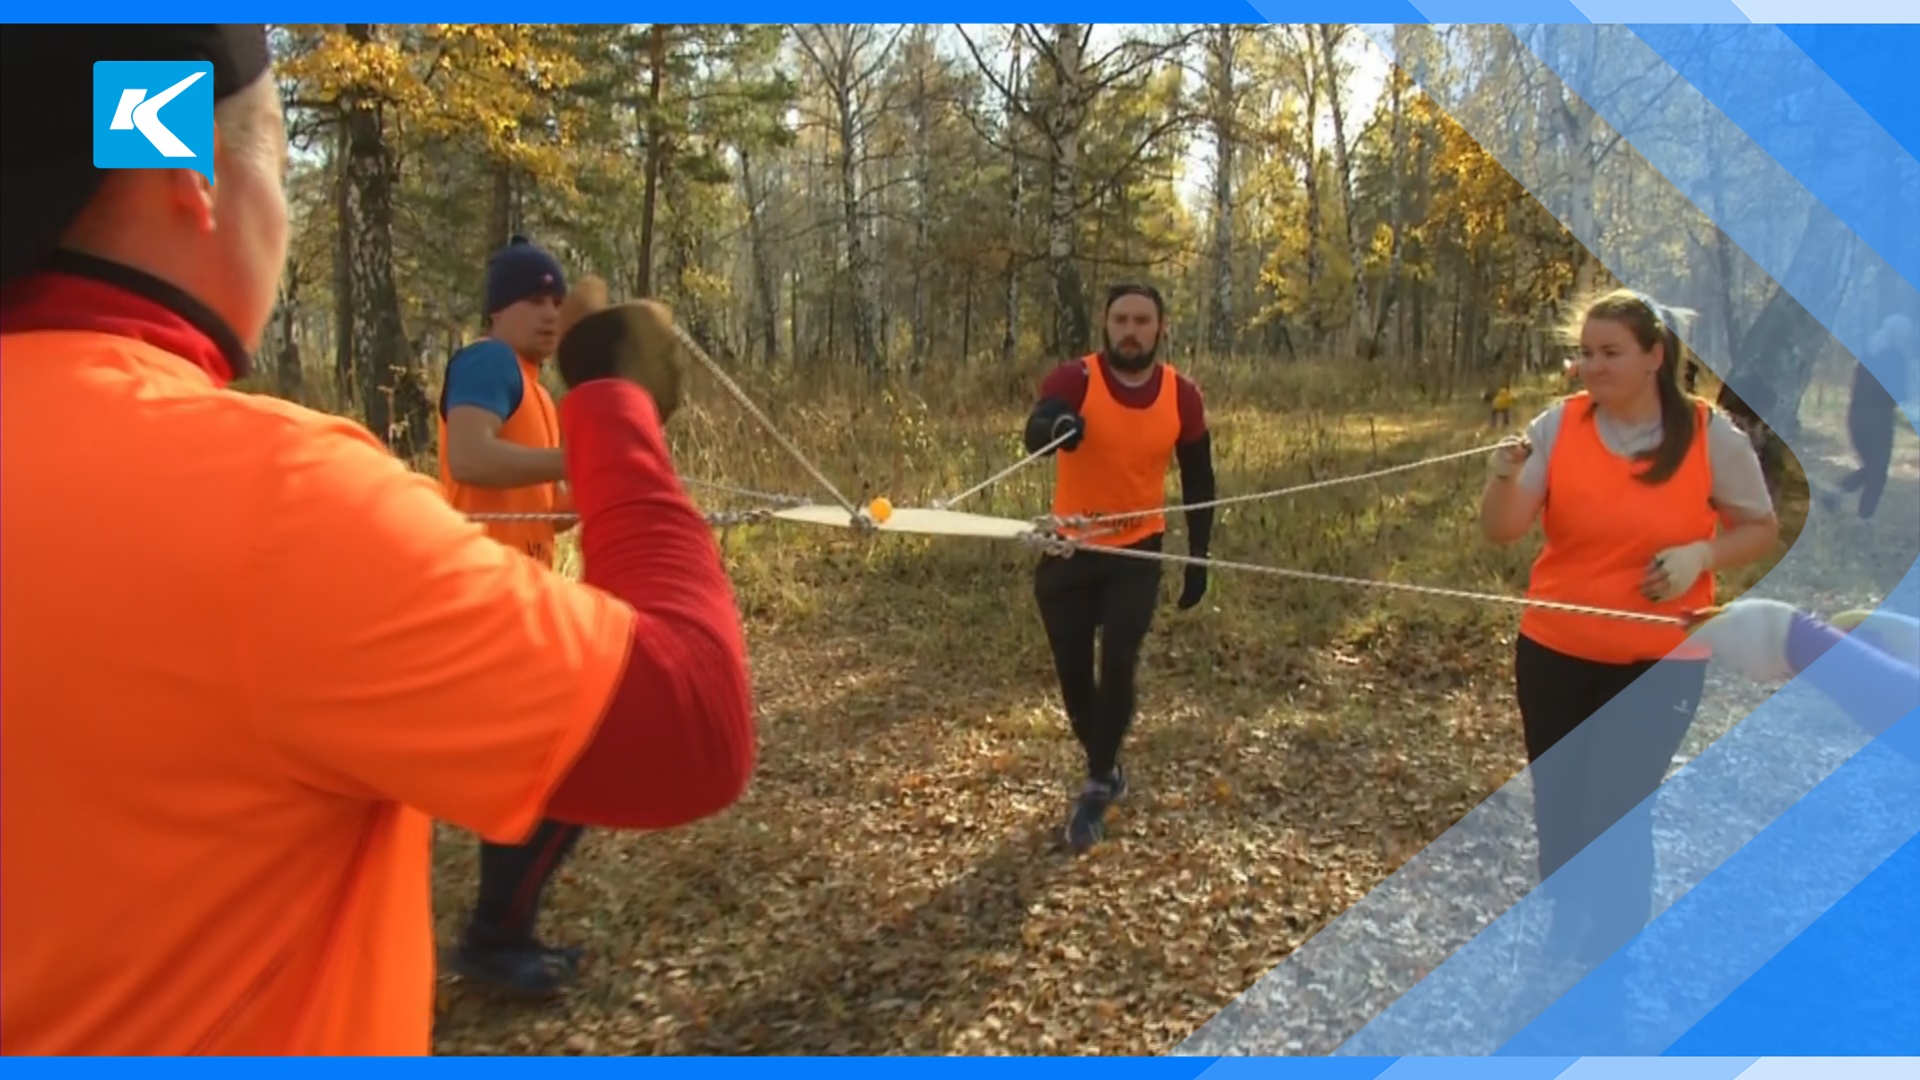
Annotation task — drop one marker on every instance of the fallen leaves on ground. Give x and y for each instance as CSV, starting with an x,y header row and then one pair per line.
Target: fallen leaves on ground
x,y
893,882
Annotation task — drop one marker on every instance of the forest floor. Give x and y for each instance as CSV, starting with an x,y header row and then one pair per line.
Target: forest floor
x,y
892,882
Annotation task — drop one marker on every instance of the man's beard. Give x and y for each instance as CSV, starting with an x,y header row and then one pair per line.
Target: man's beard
x,y
1136,363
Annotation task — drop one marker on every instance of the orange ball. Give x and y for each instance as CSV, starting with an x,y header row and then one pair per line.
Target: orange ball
x,y
880,509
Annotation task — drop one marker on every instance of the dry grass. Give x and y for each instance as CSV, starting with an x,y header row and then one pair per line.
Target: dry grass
x,y
890,883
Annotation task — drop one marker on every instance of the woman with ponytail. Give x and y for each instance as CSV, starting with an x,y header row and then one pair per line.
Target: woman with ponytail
x,y
1642,492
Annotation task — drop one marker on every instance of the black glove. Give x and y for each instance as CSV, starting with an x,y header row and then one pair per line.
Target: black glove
x,y
633,341
1196,587
1069,422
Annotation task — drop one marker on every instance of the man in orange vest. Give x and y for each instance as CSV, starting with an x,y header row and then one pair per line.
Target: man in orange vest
x,y
499,436
221,760
500,453
1125,415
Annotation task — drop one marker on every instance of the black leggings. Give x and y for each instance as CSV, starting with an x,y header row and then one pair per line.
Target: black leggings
x,y
1114,595
1578,796
513,878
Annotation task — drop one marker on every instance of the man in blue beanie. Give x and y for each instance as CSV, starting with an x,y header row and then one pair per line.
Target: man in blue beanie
x,y
500,453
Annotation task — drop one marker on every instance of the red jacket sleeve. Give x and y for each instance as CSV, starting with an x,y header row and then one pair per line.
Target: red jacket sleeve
x,y
677,742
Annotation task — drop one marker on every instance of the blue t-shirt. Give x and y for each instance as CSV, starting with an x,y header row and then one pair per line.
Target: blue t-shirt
x,y
486,375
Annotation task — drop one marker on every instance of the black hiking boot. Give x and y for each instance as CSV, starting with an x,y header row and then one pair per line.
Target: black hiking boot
x,y
528,969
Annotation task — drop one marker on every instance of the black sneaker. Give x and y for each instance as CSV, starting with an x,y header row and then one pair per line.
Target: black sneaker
x,y
1087,826
527,969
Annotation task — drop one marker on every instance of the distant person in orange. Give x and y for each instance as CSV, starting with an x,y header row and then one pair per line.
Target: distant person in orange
x,y
1125,416
1642,493
250,656
499,432
500,453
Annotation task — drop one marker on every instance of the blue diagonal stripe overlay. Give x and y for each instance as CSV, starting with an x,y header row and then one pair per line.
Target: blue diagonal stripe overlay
x,y
1691,12
1516,1068
1668,187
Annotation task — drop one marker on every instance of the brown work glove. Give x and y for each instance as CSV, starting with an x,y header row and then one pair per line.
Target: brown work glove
x,y
634,341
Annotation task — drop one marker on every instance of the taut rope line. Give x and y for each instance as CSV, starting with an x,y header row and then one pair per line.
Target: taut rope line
x,y
719,519
747,493
1061,545
947,504
1122,515
741,396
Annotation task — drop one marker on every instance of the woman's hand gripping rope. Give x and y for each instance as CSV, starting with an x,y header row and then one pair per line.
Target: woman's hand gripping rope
x,y
1509,456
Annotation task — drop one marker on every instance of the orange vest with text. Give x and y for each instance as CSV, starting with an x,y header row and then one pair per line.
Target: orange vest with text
x,y
534,424
1603,527
1121,464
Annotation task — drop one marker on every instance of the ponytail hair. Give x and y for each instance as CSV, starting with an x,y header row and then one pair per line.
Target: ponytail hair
x,y
1652,324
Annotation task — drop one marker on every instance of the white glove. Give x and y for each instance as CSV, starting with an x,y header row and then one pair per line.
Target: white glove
x,y
1896,635
1674,571
1750,636
1508,458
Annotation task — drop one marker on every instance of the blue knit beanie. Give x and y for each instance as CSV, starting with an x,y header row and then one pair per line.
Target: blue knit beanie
x,y
520,270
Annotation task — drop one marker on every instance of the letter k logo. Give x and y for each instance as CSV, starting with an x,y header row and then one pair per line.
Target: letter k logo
x,y
153,114
144,116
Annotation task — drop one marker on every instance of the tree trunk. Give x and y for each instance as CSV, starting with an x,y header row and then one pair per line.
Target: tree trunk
x,y
1397,139
1010,339
656,143
1358,320
1071,334
1221,330
923,218
1310,69
289,377
866,344
500,212
392,389
346,369
768,321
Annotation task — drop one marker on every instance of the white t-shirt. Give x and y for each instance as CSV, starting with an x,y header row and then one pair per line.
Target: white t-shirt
x,y
1739,488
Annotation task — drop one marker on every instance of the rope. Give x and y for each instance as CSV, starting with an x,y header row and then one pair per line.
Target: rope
x,y
1044,540
748,493
1062,545
719,519
1087,519
947,504
740,395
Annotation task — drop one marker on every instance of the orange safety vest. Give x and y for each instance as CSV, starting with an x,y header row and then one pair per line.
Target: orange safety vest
x,y
1121,464
534,424
1603,527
